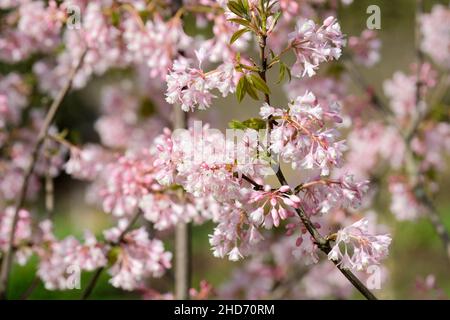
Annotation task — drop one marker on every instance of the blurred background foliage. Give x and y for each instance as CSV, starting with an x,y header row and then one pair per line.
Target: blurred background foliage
x,y
416,250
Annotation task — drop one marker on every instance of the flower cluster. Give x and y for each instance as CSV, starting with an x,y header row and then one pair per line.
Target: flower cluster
x,y
435,31
314,44
191,87
300,136
365,48
401,90
355,248
404,204
156,44
136,257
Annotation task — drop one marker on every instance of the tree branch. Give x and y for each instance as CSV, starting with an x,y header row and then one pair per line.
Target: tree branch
x,y
322,243
94,280
50,116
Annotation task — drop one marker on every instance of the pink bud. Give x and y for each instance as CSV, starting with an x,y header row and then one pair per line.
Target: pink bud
x,y
273,202
328,21
275,217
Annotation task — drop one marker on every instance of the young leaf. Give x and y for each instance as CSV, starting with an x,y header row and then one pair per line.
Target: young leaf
x,y
282,73
235,124
289,73
259,83
238,34
250,89
255,123
236,8
275,21
242,22
241,89
244,4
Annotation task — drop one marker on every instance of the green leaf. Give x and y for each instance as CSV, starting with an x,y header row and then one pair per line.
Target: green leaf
x,y
252,123
242,22
244,4
259,83
250,89
289,73
235,124
238,34
282,73
241,89
275,20
255,123
115,18
236,8
114,254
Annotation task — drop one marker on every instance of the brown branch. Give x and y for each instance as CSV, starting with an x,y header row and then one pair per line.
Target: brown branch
x,y
50,116
183,239
321,242
94,280
183,242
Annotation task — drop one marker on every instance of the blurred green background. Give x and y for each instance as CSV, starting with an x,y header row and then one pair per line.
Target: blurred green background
x,y
415,251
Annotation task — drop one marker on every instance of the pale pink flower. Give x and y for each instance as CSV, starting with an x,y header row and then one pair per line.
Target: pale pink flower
x,y
156,45
314,44
300,136
22,235
401,90
272,206
365,48
436,39
126,181
321,196
137,257
88,256
86,163
191,87
355,248
404,204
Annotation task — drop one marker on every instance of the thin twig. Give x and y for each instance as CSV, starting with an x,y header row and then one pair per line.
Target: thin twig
x,y
94,280
50,116
321,242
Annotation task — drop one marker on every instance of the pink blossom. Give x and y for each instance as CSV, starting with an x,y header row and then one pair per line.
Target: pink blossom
x,y
435,30
404,204
125,182
88,256
279,204
321,196
365,48
401,90
355,248
86,163
300,136
191,87
22,235
157,44
314,44
136,258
